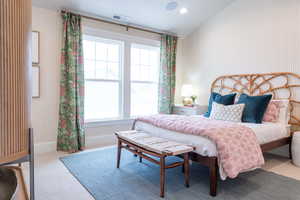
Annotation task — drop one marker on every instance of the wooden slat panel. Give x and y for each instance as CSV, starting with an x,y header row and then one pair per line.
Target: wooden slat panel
x,y
15,70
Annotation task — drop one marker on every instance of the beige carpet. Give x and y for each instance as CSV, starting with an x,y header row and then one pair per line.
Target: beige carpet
x,y
54,182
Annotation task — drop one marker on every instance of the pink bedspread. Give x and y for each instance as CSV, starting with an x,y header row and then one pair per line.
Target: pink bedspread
x,y
237,145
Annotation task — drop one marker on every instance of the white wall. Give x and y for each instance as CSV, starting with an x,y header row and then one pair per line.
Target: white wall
x,y
249,36
45,108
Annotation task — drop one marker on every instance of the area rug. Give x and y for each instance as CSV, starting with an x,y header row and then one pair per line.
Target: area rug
x,y
97,172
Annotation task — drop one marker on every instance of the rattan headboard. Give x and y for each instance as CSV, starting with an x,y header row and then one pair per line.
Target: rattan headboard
x,y
283,85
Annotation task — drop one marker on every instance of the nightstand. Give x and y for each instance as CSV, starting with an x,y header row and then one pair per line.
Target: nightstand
x,y
186,110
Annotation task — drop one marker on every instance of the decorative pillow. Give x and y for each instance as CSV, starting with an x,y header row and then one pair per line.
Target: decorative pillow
x,y
227,113
255,107
221,99
272,112
278,111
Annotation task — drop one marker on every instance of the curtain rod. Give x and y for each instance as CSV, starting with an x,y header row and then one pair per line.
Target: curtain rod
x,y
114,23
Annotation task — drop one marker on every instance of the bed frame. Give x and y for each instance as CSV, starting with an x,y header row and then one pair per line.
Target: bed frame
x,y
280,85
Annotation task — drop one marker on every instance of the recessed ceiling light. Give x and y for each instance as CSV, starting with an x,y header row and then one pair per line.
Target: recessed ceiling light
x,y
117,17
172,5
183,11
121,18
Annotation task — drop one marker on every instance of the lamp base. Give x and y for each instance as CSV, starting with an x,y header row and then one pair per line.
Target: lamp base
x,y
187,101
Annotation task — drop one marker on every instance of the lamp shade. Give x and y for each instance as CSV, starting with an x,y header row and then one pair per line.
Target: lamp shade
x,y
187,90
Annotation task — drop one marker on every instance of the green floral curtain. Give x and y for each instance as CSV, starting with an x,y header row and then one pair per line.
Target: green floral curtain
x,y
167,74
71,135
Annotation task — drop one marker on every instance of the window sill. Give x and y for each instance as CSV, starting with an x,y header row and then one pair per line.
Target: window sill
x,y
108,122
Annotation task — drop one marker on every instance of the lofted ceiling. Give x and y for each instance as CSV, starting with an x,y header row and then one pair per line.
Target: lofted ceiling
x,y
147,13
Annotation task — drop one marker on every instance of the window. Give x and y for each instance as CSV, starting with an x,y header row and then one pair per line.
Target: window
x,y
119,86
144,79
102,70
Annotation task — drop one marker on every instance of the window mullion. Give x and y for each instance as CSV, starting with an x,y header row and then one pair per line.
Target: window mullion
x,y
145,82
95,62
121,82
126,80
102,80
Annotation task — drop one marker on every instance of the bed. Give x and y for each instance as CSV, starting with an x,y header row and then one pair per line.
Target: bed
x,y
269,135
266,133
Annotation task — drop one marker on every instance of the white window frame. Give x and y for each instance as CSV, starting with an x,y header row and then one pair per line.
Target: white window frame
x,y
150,47
125,88
119,81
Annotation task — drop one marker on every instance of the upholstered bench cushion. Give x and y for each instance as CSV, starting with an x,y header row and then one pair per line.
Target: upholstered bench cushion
x,y
154,144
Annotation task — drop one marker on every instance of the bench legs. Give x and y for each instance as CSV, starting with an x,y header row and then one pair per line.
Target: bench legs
x,y
119,153
162,164
162,176
186,168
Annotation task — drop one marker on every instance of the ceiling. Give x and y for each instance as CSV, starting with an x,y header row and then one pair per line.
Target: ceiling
x,y
146,13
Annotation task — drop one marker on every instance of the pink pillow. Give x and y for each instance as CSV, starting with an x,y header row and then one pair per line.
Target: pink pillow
x,y
272,112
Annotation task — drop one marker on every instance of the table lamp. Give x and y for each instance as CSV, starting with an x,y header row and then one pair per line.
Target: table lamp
x,y
187,92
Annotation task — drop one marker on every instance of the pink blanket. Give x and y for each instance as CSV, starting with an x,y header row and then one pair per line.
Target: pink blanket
x,y
237,145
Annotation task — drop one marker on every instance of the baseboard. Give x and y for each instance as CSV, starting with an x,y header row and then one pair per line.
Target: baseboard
x,y
91,142
100,141
44,147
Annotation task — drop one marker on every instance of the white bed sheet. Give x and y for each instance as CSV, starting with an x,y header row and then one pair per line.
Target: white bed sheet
x,y
266,132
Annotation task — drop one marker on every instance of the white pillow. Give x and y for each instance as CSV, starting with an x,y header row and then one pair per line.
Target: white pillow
x,y
227,113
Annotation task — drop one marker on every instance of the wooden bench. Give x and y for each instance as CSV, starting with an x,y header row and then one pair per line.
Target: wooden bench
x,y
142,145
